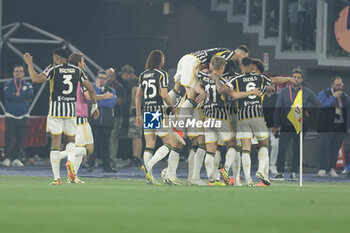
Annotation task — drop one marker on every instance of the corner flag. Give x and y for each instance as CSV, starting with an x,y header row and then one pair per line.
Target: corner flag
x,y
295,114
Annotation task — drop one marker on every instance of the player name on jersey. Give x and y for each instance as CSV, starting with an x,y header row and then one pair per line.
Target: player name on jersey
x,y
64,80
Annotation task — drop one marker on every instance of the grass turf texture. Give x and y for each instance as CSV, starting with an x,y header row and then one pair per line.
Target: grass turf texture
x,y
31,204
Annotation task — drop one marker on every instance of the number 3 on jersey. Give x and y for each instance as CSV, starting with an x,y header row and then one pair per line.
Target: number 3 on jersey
x,y
149,84
67,81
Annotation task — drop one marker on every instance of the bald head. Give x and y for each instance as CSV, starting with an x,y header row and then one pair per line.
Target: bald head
x,y
111,75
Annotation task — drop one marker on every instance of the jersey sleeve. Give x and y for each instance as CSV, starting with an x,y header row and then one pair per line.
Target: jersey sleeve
x,y
48,72
164,80
227,54
232,83
201,75
139,81
82,76
266,81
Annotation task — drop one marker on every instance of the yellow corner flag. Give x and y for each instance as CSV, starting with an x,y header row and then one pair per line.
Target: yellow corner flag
x,y
295,114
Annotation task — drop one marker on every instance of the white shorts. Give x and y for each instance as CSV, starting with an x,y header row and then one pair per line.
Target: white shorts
x,y
195,132
57,125
158,132
221,135
186,71
248,128
84,135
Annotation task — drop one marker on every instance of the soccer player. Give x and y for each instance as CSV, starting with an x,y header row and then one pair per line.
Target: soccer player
x,y
84,140
61,118
186,76
153,92
214,108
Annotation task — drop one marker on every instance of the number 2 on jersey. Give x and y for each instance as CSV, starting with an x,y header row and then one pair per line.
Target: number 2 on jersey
x,y
149,84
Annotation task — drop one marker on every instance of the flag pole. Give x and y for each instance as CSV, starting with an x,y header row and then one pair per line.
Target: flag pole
x,y
301,153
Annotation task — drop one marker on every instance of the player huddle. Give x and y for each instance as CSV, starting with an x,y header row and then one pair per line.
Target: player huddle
x,y
220,84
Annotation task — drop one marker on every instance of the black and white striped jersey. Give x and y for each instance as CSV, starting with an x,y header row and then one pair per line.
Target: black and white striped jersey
x,y
214,103
251,106
151,82
63,80
230,102
204,56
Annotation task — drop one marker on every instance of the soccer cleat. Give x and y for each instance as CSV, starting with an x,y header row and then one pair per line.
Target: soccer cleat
x,y
262,177
216,183
261,184
179,136
77,181
148,175
232,181
56,182
278,176
173,181
197,182
249,184
225,176
71,172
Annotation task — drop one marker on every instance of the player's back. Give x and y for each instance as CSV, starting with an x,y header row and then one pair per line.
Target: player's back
x,y
152,81
204,56
251,106
64,80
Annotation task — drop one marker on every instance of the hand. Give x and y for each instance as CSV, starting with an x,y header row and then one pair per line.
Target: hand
x,y
94,108
172,110
97,82
337,94
256,91
28,59
108,95
139,121
200,98
275,130
96,114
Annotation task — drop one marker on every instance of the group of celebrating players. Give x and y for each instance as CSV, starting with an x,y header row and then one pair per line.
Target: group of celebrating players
x,y
217,84
222,85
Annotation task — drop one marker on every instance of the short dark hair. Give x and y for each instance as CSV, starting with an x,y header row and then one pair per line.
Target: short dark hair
x,y
335,78
259,64
17,65
75,58
246,61
243,48
298,71
154,59
61,52
101,72
217,62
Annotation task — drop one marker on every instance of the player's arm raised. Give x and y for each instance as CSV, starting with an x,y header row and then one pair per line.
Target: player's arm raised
x,y
279,80
35,77
138,98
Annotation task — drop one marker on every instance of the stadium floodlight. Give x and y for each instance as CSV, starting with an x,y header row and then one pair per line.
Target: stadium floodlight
x,y
8,40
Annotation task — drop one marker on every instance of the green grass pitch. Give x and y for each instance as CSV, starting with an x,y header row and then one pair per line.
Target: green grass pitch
x,y
31,204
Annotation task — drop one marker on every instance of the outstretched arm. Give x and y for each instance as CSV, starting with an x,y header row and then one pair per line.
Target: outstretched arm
x,y
36,78
240,95
279,80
